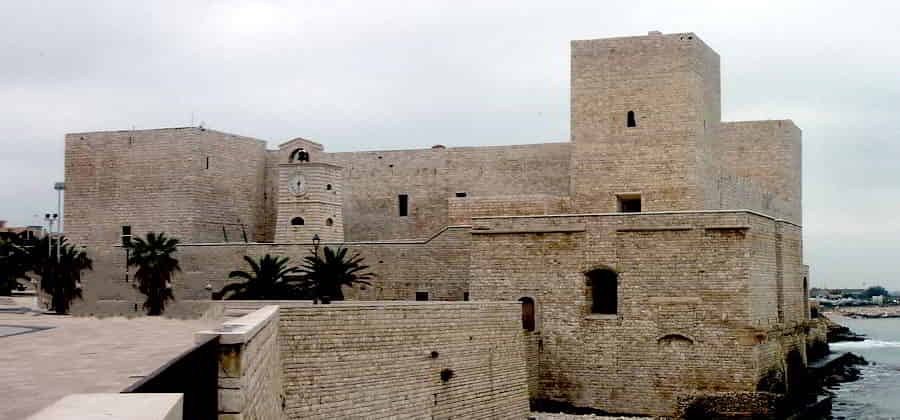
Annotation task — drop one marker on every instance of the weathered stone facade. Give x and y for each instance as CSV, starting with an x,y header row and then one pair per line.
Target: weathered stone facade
x,y
413,360
709,279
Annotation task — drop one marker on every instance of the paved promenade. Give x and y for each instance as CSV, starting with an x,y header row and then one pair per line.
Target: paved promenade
x,y
78,355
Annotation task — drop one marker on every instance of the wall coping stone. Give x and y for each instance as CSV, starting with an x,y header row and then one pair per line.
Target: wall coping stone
x,y
655,228
323,243
619,214
240,330
105,406
482,230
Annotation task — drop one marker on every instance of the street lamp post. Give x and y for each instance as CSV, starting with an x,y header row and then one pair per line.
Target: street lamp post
x,y
59,187
50,218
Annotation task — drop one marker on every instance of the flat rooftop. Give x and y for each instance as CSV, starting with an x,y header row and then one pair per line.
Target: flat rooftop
x,y
46,357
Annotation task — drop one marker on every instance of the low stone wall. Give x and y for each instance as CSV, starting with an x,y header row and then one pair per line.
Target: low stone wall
x,y
114,406
250,370
178,309
404,360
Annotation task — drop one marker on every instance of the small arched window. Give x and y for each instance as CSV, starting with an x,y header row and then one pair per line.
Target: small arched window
x,y
328,187
300,155
297,221
604,286
329,222
632,122
527,313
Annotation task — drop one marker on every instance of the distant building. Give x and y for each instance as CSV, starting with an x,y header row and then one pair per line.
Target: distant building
x,y
28,233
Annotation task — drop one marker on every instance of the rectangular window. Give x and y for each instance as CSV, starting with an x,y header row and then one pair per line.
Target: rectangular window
x,y
466,296
421,296
461,194
629,203
403,201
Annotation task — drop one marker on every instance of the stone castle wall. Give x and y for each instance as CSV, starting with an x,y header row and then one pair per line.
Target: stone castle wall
x,y
438,266
250,384
769,153
432,177
686,295
384,360
188,182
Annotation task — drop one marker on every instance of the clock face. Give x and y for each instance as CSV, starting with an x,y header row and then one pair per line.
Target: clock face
x,y
297,184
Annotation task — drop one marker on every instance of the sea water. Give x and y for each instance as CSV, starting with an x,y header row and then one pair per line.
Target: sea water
x,y
876,395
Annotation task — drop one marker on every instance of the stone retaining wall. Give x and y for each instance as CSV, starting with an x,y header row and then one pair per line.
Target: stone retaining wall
x,y
436,360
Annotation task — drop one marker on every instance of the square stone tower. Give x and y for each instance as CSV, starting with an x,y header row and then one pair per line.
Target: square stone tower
x,y
644,114
309,202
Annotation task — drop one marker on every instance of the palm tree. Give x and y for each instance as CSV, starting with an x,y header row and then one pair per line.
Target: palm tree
x,y
265,280
60,273
13,263
326,275
155,264
65,283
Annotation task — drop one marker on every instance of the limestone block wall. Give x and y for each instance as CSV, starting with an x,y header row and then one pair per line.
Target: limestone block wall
x,y
438,266
384,360
769,153
461,210
189,182
777,272
250,369
728,191
685,291
319,203
431,177
671,85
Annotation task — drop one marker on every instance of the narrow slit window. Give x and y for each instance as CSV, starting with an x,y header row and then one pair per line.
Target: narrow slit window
x,y
527,313
632,122
403,203
421,296
207,162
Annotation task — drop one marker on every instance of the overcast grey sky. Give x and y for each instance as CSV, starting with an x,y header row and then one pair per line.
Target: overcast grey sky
x,y
377,75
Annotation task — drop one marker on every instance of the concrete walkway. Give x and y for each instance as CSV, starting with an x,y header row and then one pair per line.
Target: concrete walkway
x,y
80,355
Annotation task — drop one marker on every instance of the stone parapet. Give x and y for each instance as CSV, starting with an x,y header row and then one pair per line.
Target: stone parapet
x,y
114,406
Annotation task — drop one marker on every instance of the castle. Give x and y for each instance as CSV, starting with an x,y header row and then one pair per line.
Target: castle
x,y
657,254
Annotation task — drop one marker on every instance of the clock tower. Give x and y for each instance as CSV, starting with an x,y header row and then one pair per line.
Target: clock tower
x,y
309,202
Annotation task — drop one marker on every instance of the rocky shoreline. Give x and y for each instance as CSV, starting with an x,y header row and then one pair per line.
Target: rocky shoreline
x,y
837,332
870,311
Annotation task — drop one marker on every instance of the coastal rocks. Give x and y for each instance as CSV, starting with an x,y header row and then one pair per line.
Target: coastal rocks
x,y
841,369
871,312
563,416
731,405
838,332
